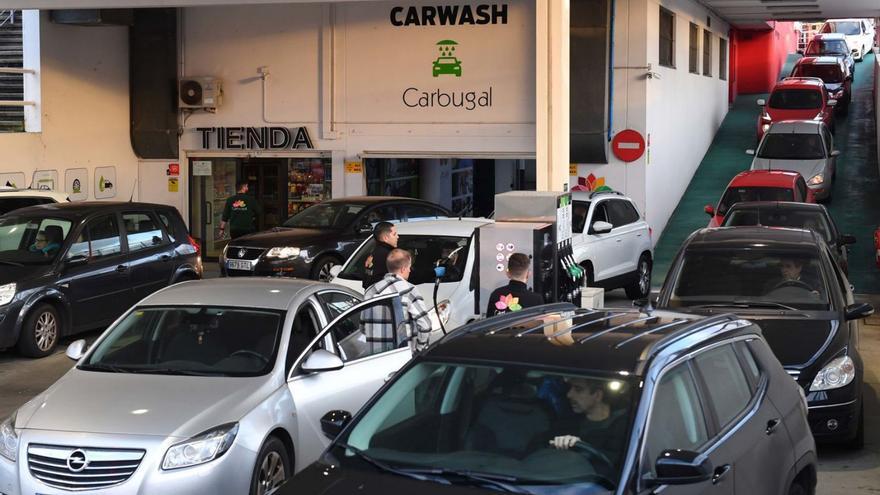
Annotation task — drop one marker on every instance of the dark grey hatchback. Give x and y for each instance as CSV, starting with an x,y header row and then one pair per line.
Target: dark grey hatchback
x,y
70,267
558,400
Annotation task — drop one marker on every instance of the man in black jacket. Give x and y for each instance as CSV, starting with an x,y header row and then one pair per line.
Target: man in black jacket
x,y
515,295
385,235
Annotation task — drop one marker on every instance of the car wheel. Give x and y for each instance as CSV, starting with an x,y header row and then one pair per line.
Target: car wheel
x,y
272,467
797,488
40,333
858,441
641,287
322,266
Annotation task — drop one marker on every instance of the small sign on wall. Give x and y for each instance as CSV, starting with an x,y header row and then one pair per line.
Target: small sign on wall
x,y
201,167
572,169
12,179
45,179
76,184
173,169
173,184
354,167
105,182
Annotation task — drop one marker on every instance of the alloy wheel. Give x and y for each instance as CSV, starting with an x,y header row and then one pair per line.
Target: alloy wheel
x,y
272,473
324,272
644,277
46,331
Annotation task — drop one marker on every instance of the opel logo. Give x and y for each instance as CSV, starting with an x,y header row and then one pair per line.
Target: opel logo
x,y
242,252
77,461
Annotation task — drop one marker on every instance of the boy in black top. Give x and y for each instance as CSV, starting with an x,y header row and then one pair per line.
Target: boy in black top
x,y
241,213
515,295
385,235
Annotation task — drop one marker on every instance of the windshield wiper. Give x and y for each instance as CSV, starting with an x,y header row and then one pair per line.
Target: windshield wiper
x,y
381,465
746,304
105,367
498,481
171,371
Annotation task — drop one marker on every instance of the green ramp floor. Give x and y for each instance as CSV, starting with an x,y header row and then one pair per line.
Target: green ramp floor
x,y
855,203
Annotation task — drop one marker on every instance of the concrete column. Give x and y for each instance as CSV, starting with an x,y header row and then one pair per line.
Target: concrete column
x,y
551,93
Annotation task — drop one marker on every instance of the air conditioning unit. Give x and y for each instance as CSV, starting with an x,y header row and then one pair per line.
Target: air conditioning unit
x,y
200,93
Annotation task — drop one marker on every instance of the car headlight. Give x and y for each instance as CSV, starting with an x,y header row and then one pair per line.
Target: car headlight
x,y
816,180
201,448
9,439
765,127
836,374
7,292
283,252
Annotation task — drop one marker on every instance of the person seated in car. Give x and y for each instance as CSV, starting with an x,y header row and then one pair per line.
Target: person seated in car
x,y
43,244
793,275
594,422
449,259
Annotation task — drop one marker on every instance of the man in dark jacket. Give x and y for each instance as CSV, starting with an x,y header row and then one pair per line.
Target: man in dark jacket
x,y
240,213
385,235
515,295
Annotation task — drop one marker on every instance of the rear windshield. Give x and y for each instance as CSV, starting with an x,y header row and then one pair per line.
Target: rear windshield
x,y
778,217
741,194
847,28
828,73
792,147
796,99
829,47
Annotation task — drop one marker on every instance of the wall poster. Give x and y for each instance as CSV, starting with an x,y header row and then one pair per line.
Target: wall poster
x,y
13,179
105,182
45,180
76,184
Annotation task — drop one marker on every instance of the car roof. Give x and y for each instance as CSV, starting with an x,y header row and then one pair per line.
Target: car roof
x,y
800,83
458,227
613,341
754,237
9,192
796,127
819,60
765,178
589,195
247,292
373,200
84,208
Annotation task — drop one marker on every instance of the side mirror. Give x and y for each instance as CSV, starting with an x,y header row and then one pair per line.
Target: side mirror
x,y
761,102
832,103
334,422
335,270
858,311
77,349
846,239
750,152
710,210
76,261
322,360
835,153
682,467
601,227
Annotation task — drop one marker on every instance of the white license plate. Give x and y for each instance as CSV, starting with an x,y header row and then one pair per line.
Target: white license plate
x,y
239,265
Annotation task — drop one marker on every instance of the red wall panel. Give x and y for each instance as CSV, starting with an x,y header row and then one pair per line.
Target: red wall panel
x,y
758,57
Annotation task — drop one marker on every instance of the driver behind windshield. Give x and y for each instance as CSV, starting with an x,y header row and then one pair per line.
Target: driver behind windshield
x,y
594,422
793,275
47,242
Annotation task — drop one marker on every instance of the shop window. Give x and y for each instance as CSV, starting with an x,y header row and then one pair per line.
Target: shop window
x,y
393,177
667,38
707,53
694,49
309,182
19,64
722,59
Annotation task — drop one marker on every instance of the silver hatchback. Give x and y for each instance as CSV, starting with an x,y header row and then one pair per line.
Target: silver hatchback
x,y
215,386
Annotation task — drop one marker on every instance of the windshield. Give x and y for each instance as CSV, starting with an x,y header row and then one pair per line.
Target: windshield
x,y
325,216
796,99
827,73
778,146
780,217
830,47
503,422
847,28
190,341
751,277
426,252
31,240
742,194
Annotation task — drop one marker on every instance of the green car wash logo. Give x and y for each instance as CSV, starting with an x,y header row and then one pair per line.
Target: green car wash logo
x,y
447,63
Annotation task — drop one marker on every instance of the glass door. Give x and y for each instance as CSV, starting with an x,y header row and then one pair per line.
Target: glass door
x,y
208,196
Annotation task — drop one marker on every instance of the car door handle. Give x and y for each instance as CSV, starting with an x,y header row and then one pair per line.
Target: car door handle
x,y
720,473
390,376
772,425
165,257
121,268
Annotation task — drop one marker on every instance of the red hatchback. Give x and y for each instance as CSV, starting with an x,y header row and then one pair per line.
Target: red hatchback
x,y
761,185
796,98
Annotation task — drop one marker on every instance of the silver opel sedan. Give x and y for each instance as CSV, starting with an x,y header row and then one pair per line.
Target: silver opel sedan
x,y
205,387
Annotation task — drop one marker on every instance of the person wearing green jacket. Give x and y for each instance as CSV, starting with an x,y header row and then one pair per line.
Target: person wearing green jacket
x,y
240,213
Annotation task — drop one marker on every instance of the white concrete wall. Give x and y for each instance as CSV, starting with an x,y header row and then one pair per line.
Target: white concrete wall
x,y
85,108
684,109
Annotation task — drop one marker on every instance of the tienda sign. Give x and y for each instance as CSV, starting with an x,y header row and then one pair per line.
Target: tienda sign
x,y
449,15
255,138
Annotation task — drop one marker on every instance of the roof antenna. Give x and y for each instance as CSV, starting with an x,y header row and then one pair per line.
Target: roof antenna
x,y
131,198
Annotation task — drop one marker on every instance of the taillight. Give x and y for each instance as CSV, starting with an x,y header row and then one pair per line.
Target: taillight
x,y
194,243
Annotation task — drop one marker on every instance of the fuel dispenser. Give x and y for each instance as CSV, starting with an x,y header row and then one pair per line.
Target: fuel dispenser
x,y
537,224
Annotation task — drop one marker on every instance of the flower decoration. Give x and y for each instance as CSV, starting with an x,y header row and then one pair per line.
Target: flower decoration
x,y
591,183
508,302
238,204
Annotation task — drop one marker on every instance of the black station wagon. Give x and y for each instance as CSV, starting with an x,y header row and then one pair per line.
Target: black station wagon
x,y
559,400
70,267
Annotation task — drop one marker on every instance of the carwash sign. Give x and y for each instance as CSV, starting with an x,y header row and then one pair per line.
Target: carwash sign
x,y
447,64
449,15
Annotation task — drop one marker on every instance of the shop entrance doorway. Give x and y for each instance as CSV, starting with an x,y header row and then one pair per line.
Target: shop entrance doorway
x,y
465,186
282,186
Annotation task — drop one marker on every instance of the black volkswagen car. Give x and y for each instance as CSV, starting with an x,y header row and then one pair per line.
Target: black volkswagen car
x,y
786,281
71,267
810,216
320,237
557,400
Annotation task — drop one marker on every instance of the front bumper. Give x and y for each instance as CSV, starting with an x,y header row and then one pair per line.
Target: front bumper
x,y
293,267
835,423
821,191
230,474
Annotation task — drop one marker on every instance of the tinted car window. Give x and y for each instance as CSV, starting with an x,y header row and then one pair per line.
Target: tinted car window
x,y
778,146
10,204
305,328
325,216
381,214
142,231
600,213
729,392
802,188
796,99
426,251
829,47
30,239
98,239
677,420
826,72
777,217
742,194
420,211
579,210
368,332
622,212
169,225
337,303
749,358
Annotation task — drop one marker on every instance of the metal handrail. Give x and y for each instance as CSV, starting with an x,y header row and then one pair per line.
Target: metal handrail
x,y
15,70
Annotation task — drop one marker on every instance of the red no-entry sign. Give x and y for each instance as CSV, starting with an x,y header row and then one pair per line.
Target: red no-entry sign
x,y
628,145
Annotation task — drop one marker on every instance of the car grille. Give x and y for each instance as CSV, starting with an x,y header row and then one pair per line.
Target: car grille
x,y
243,253
76,469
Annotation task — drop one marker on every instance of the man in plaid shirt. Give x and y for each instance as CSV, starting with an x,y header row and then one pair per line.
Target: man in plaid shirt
x,y
378,324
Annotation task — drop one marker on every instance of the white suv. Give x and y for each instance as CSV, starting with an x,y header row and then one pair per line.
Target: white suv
x,y
13,199
612,242
859,34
